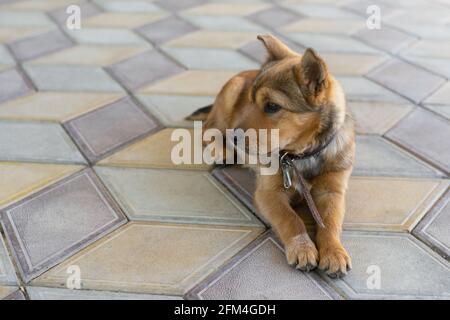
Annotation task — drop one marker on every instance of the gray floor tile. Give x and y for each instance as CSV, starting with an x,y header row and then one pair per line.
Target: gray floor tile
x,y
433,229
261,272
240,181
258,52
425,134
88,10
378,157
202,58
274,17
42,44
107,36
103,130
144,69
438,66
53,224
362,89
224,23
37,142
321,11
387,39
414,83
407,269
71,78
127,6
185,196
7,273
167,29
13,85
178,5
331,43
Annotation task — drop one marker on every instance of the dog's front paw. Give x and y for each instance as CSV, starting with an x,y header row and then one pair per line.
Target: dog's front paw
x,y
334,261
301,253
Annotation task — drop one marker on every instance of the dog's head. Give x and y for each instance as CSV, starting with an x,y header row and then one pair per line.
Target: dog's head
x,y
293,93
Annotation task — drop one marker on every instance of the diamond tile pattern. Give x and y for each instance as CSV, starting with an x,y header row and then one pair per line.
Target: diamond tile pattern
x,y
54,223
107,128
154,151
91,55
6,292
386,38
180,199
425,144
192,82
171,111
432,229
13,85
19,179
221,59
166,29
42,293
82,78
42,44
7,273
86,124
38,142
377,117
401,260
115,262
377,157
261,272
54,106
399,204
145,68
419,85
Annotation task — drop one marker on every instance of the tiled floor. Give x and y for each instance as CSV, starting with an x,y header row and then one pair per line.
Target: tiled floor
x,y
86,118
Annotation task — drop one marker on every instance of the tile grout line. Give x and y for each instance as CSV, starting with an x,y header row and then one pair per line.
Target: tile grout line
x,y
418,156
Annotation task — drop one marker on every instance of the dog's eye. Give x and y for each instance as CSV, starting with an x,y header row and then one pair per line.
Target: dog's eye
x,y
270,107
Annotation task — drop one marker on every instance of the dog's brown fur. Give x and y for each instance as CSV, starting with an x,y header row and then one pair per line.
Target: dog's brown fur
x,y
313,112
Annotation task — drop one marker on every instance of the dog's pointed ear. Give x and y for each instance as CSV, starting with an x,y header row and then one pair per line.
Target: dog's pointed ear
x,y
311,73
276,49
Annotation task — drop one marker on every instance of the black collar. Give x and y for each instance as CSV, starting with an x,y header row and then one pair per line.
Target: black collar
x,y
314,152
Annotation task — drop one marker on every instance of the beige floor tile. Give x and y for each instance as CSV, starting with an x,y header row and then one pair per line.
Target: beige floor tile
x,y
325,26
122,19
213,39
399,203
54,106
192,82
352,64
6,291
237,9
377,117
152,152
21,179
90,55
153,258
5,66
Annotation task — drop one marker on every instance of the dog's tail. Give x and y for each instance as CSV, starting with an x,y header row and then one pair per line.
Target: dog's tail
x,y
200,114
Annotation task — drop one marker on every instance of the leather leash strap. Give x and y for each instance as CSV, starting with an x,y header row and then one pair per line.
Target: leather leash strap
x,y
287,165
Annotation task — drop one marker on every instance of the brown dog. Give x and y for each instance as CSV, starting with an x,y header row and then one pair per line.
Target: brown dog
x,y
297,95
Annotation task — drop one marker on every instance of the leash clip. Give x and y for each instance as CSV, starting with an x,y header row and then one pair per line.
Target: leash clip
x,y
286,167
